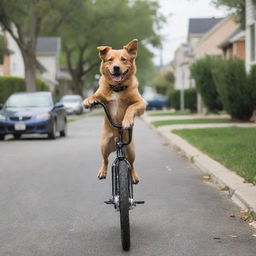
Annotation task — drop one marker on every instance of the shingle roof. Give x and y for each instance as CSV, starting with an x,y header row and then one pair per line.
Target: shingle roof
x,y
202,25
48,45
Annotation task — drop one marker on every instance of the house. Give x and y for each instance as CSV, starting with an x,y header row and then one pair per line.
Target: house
x,y
210,41
234,45
250,34
47,54
184,55
181,68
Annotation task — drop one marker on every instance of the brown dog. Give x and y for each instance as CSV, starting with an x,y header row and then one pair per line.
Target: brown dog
x,y
118,89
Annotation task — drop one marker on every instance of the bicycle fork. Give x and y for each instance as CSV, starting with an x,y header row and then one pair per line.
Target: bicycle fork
x,y
115,186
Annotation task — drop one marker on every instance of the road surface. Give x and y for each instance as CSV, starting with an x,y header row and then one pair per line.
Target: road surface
x,y
52,204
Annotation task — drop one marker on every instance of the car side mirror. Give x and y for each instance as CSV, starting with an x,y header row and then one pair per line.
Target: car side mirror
x,y
58,105
1,106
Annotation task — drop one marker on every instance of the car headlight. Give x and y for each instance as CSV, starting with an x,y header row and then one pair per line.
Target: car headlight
x,y
2,117
44,116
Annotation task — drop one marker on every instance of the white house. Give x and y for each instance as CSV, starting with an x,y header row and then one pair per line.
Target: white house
x,y
250,48
47,53
181,68
184,55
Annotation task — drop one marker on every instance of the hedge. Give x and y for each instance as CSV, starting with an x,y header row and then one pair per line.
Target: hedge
x,y
190,98
9,85
202,72
237,89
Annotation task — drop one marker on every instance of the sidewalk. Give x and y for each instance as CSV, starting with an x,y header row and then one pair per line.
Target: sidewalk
x,y
243,194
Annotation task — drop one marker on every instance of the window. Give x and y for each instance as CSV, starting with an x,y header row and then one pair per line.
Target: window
x,y
253,42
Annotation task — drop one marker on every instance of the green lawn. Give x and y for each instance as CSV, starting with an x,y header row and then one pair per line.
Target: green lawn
x,y
177,113
192,121
234,147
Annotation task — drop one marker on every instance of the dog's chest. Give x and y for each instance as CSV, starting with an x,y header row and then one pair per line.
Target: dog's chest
x,y
115,103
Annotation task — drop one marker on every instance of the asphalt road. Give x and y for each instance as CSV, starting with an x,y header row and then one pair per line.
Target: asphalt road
x,y
51,203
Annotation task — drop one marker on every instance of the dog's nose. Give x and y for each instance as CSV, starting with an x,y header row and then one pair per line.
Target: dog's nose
x,y
116,68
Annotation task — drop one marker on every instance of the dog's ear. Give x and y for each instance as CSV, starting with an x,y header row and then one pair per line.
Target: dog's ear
x,y
103,50
132,47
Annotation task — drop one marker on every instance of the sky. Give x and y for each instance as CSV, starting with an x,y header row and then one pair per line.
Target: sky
x,y
175,30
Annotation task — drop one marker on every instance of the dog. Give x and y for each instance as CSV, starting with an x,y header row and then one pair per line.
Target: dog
x,y
118,90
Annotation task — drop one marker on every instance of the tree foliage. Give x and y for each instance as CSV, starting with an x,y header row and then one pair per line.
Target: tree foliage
x,y
236,7
107,22
24,21
163,80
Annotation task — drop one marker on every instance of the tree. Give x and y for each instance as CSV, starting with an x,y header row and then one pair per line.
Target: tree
x,y
163,81
107,22
236,7
24,21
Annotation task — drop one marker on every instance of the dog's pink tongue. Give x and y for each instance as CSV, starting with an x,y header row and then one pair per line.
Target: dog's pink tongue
x,y
117,78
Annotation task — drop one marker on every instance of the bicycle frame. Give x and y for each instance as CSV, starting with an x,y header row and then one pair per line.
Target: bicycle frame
x,y
120,157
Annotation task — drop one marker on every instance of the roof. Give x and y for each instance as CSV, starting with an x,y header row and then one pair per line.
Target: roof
x,y
48,45
202,25
238,35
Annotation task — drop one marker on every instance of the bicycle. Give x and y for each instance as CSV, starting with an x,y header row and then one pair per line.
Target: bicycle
x,y
122,187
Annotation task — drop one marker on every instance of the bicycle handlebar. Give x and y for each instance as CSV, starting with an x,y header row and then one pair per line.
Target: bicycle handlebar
x,y
118,126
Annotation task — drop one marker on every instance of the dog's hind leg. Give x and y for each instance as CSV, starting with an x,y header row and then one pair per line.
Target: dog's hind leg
x,y
130,150
107,146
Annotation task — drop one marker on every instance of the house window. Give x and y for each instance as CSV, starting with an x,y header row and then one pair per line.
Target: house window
x,y
252,42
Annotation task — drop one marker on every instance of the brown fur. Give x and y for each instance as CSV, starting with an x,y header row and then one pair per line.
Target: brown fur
x,y
124,105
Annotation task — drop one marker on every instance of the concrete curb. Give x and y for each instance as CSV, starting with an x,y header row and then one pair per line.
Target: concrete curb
x,y
243,194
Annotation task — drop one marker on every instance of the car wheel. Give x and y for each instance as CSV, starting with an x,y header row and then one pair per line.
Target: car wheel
x,y
2,136
17,136
63,133
53,133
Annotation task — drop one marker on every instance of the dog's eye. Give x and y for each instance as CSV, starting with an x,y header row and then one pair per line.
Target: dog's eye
x,y
110,59
123,59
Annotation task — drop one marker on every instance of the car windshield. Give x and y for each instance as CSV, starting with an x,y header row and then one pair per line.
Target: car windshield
x,y
71,99
29,100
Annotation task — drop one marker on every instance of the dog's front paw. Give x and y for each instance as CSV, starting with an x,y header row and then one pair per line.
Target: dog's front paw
x,y
89,101
127,122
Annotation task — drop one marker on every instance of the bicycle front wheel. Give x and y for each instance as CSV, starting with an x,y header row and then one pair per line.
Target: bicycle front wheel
x,y
124,204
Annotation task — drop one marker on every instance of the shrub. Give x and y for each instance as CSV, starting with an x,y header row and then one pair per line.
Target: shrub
x,y
236,88
252,81
190,98
174,99
9,85
202,72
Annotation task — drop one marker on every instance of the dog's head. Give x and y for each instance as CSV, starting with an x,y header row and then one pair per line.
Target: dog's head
x,y
118,65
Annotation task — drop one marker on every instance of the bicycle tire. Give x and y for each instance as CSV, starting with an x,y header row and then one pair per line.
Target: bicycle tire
x,y
124,204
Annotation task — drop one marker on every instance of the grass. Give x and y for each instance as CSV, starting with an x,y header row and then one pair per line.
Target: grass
x,y
177,113
192,121
234,147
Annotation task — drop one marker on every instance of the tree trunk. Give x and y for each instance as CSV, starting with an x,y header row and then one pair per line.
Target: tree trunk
x,y
77,85
30,72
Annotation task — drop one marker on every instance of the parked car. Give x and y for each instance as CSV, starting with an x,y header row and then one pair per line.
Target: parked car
x,y
35,112
73,104
156,101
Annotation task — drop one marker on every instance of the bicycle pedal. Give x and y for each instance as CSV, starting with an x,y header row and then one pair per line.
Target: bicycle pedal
x,y
139,202
110,201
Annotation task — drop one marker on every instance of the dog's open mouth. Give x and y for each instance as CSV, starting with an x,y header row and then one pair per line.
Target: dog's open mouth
x,y
118,76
